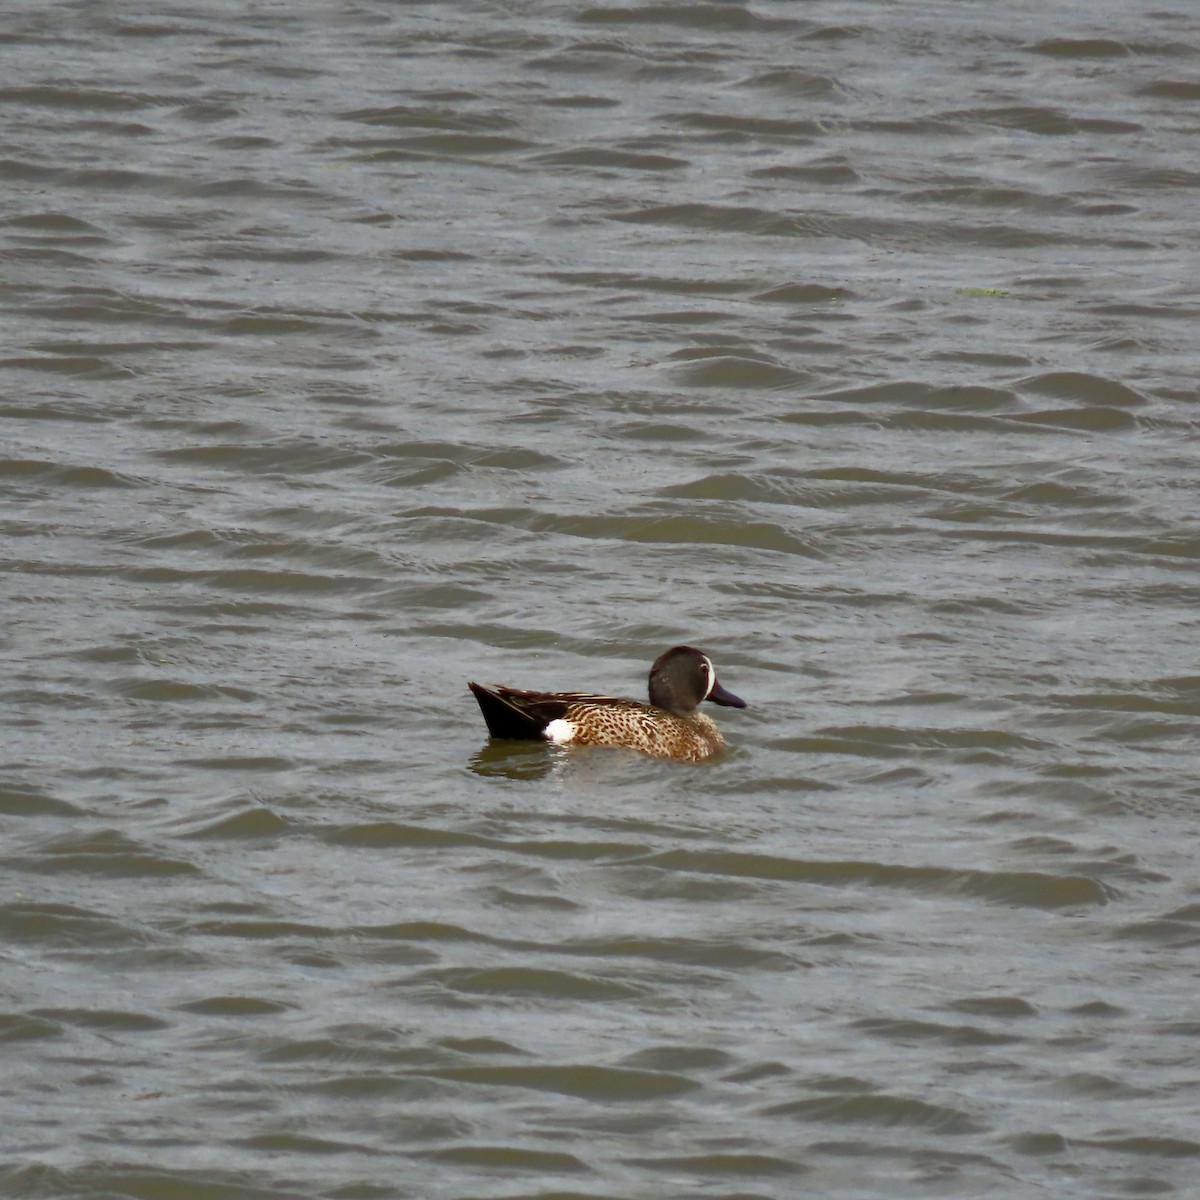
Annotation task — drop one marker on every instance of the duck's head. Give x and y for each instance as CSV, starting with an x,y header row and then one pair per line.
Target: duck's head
x,y
682,678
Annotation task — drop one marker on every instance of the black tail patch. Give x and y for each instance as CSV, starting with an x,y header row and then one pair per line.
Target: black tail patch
x,y
506,719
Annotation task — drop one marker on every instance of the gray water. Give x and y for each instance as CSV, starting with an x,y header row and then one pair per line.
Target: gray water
x,y
352,351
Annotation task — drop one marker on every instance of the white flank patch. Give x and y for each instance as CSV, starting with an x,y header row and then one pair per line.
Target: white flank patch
x,y
559,732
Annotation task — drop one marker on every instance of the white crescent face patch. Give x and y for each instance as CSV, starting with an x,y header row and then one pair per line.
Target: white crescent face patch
x,y
707,668
559,732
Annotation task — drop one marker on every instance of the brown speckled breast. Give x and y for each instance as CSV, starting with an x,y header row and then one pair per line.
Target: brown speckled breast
x,y
641,727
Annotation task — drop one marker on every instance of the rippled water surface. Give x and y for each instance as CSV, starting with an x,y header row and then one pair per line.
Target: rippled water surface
x,y
356,350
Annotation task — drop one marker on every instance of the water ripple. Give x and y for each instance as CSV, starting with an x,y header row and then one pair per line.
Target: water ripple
x,y
354,355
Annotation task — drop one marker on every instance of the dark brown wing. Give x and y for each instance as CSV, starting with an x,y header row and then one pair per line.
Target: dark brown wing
x,y
515,713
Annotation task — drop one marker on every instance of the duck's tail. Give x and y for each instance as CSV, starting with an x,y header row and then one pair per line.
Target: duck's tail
x,y
507,719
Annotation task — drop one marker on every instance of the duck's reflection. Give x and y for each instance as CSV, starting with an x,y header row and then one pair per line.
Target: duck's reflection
x,y
514,759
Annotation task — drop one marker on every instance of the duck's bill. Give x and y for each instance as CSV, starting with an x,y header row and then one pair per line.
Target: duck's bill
x,y
720,695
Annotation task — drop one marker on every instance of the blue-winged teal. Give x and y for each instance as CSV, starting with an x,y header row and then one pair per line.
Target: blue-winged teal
x,y
668,727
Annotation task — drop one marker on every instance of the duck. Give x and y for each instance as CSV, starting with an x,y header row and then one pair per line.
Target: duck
x,y
670,726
